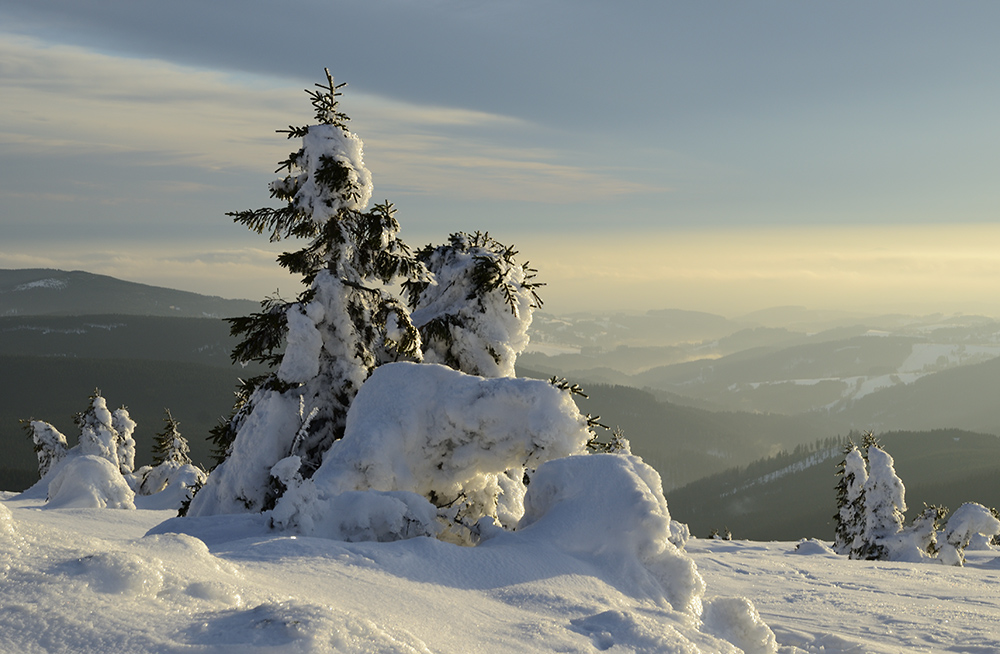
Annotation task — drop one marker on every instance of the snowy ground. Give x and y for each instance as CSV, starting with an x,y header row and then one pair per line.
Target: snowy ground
x,y
821,602
91,580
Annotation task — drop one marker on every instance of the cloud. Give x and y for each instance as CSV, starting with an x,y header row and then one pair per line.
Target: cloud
x,y
64,100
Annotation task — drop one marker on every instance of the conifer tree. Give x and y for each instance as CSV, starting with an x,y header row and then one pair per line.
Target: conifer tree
x,y
884,505
850,501
925,527
168,445
100,433
171,464
50,444
326,343
474,314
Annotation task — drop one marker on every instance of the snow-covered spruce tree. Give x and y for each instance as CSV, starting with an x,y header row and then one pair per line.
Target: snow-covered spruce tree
x,y
97,471
172,467
921,535
50,444
473,314
346,322
106,434
967,521
850,501
884,506
168,445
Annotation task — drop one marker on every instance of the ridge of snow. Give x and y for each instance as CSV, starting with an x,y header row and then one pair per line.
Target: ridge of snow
x,y
50,283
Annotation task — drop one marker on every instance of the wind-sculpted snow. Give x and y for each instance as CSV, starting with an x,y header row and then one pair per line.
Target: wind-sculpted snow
x,y
576,502
89,581
432,436
87,481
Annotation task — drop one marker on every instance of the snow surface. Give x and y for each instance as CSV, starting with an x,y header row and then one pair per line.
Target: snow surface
x,y
56,284
92,580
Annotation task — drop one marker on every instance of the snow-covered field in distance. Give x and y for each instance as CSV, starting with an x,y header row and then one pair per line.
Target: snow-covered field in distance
x,y
91,580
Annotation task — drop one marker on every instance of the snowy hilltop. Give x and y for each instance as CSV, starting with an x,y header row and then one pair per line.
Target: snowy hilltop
x,y
390,486
101,580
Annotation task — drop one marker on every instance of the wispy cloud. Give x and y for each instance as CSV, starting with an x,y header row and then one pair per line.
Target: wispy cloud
x,y
63,100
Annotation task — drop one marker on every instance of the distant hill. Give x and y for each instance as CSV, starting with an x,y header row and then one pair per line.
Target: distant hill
x,y
685,443
965,397
44,292
63,334
792,495
54,389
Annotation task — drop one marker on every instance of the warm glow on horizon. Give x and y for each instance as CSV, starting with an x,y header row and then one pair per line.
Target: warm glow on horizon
x,y
916,269
927,269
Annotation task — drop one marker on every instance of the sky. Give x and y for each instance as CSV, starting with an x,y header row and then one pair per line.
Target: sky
x,y
715,156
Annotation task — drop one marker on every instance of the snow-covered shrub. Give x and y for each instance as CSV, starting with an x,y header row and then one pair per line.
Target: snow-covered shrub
x,y
87,481
918,541
850,501
460,442
172,479
884,506
969,520
50,444
106,434
474,314
69,476
125,426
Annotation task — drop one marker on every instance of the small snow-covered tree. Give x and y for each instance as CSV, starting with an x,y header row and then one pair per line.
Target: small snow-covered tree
x,y
50,444
97,471
884,506
967,521
473,314
172,466
100,434
326,343
922,533
850,501
168,445
125,427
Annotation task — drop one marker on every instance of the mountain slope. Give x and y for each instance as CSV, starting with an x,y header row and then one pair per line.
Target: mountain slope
x,y
57,292
792,495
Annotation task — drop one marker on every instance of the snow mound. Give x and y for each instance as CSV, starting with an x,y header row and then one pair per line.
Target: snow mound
x,y
168,485
296,626
611,508
813,547
87,481
432,437
124,573
736,620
